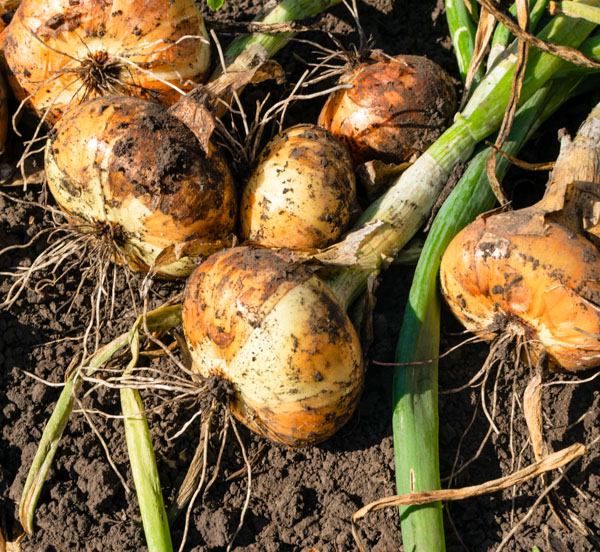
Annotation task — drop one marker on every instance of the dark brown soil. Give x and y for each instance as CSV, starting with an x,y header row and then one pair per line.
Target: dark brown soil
x,y
301,499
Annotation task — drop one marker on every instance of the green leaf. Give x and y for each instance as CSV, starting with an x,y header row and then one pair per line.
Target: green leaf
x,y
215,4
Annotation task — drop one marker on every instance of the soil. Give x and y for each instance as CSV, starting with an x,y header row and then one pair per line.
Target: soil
x,y
301,499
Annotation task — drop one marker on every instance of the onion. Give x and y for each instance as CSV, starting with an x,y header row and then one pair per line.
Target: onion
x,y
396,107
498,278
535,273
302,192
61,52
277,333
130,168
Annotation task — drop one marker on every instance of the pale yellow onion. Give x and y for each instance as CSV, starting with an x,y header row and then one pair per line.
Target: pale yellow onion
x,y
60,52
127,165
302,192
278,334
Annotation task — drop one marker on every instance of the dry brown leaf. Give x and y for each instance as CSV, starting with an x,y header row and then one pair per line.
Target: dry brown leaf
x,y
550,462
567,53
191,248
513,101
532,409
345,252
199,108
376,176
485,29
520,163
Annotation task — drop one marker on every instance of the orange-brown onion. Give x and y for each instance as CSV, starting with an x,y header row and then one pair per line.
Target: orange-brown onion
x,y
61,52
127,164
395,108
498,276
277,333
302,192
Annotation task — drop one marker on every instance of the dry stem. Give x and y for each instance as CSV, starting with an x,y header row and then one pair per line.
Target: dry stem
x,y
550,462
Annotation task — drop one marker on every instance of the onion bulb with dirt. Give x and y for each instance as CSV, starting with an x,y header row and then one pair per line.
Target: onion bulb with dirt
x,y
130,169
396,106
60,53
279,336
302,191
535,273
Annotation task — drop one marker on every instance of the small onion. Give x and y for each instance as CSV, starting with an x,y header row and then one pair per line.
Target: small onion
x,y
61,52
277,333
498,275
396,107
128,165
302,192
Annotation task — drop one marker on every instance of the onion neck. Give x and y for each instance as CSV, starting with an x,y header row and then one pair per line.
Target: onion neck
x,y
572,195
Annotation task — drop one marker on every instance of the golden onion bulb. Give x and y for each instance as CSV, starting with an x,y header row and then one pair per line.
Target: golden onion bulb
x,y
302,192
127,164
61,52
396,107
498,276
277,333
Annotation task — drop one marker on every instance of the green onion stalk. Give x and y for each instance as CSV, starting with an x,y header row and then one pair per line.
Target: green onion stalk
x,y
286,10
462,30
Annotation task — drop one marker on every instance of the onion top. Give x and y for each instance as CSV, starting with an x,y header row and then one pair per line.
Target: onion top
x,y
276,332
302,192
396,107
61,52
128,165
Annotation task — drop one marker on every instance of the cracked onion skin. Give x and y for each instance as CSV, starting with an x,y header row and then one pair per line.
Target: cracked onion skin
x,y
301,193
127,164
54,47
499,276
276,332
396,107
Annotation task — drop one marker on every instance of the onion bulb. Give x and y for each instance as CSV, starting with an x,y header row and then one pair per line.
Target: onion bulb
x,y
396,107
129,167
280,337
542,287
535,273
302,192
62,52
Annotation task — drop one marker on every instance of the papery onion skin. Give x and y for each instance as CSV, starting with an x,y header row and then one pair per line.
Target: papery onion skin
x,y
47,37
396,107
278,334
128,163
302,191
498,276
